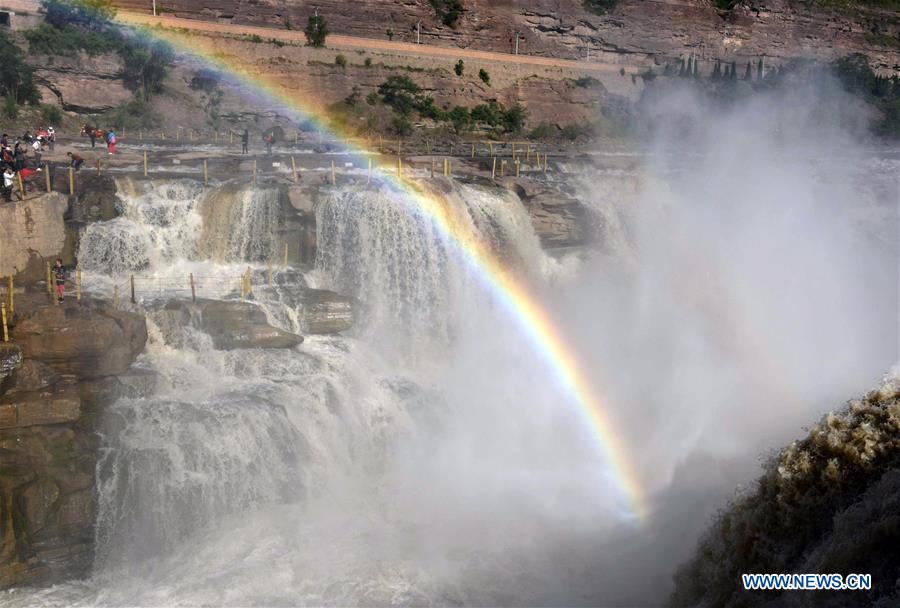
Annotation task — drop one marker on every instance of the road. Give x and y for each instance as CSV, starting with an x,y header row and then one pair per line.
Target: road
x,y
352,43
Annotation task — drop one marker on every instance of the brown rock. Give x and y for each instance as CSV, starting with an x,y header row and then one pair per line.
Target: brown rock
x,y
87,339
231,324
31,376
325,312
38,500
56,404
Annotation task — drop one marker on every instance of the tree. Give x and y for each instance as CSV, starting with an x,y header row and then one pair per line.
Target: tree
x,y
146,64
401,125
448,10
600,7
390,33
400,93
514,119
340,61
485,77
459,67
316,31
460,119
16,76
92,14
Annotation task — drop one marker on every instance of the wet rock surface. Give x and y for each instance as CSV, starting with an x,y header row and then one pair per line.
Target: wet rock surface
x,y
230,324
325,312
60,373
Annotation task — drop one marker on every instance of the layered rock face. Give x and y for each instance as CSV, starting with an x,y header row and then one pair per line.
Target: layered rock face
x,y
76,358
635,31
230,324
81,82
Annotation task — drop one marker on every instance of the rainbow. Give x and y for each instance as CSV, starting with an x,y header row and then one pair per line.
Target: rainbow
x,y
509,290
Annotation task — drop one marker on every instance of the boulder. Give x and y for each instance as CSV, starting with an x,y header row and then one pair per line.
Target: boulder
x,y
325,312
56,404
88,339
230,324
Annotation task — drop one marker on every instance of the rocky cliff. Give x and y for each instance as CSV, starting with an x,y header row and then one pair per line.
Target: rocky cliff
x,y
641,31
65,363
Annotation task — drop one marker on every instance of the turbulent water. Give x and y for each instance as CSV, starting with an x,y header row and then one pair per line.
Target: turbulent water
x,y
427,457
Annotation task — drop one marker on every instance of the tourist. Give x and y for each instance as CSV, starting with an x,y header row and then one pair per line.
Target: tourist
x,y
38,150
269,139
76,160
59,275
4,141
111,142
51,138
245,142
6,155
19,156
9,178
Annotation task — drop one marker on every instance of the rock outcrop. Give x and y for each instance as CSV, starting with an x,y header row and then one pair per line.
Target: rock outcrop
x,y
325,312
230,324
82,82
87,339
48,446
31,229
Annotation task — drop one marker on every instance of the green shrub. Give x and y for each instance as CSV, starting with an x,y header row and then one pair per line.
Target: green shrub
x,y
459,67
277,42
10,107
16,76
485,77
489,114
543,130
316,31
48,40
600,7
340,61
372,98
401,125
400,93
353,98
368,62
256,39
51,115
571,132
585,82
459,118
136,113
514,119
448,11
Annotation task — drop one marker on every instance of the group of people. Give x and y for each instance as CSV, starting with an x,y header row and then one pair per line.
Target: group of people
x,y
14,158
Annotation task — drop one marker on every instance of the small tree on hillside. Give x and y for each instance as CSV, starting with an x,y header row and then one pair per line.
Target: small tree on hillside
x,y
459,67
316,31
485,77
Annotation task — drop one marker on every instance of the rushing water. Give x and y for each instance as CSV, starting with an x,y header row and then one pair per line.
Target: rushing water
x,y
425,457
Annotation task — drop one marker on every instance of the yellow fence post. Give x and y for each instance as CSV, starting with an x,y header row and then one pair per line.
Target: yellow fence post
x,y
193,289
21,186
285,254
254,172
514,150
3,314
133,300
473,150
141,134
10,295
78,283
517,167
294,170
49,280
216,136
71,181
47,176
369,172
432,168
231,134
333,178
494,167
399,168
205,172
145,163
98,166
491,146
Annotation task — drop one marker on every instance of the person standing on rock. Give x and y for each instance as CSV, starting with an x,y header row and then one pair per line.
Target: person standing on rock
x,y
269,139
51,138
111,142
38,150
59,277
76,161
19,156
245,142
9,178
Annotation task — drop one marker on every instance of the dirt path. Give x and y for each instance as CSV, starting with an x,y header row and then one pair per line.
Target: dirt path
x,y
354,43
